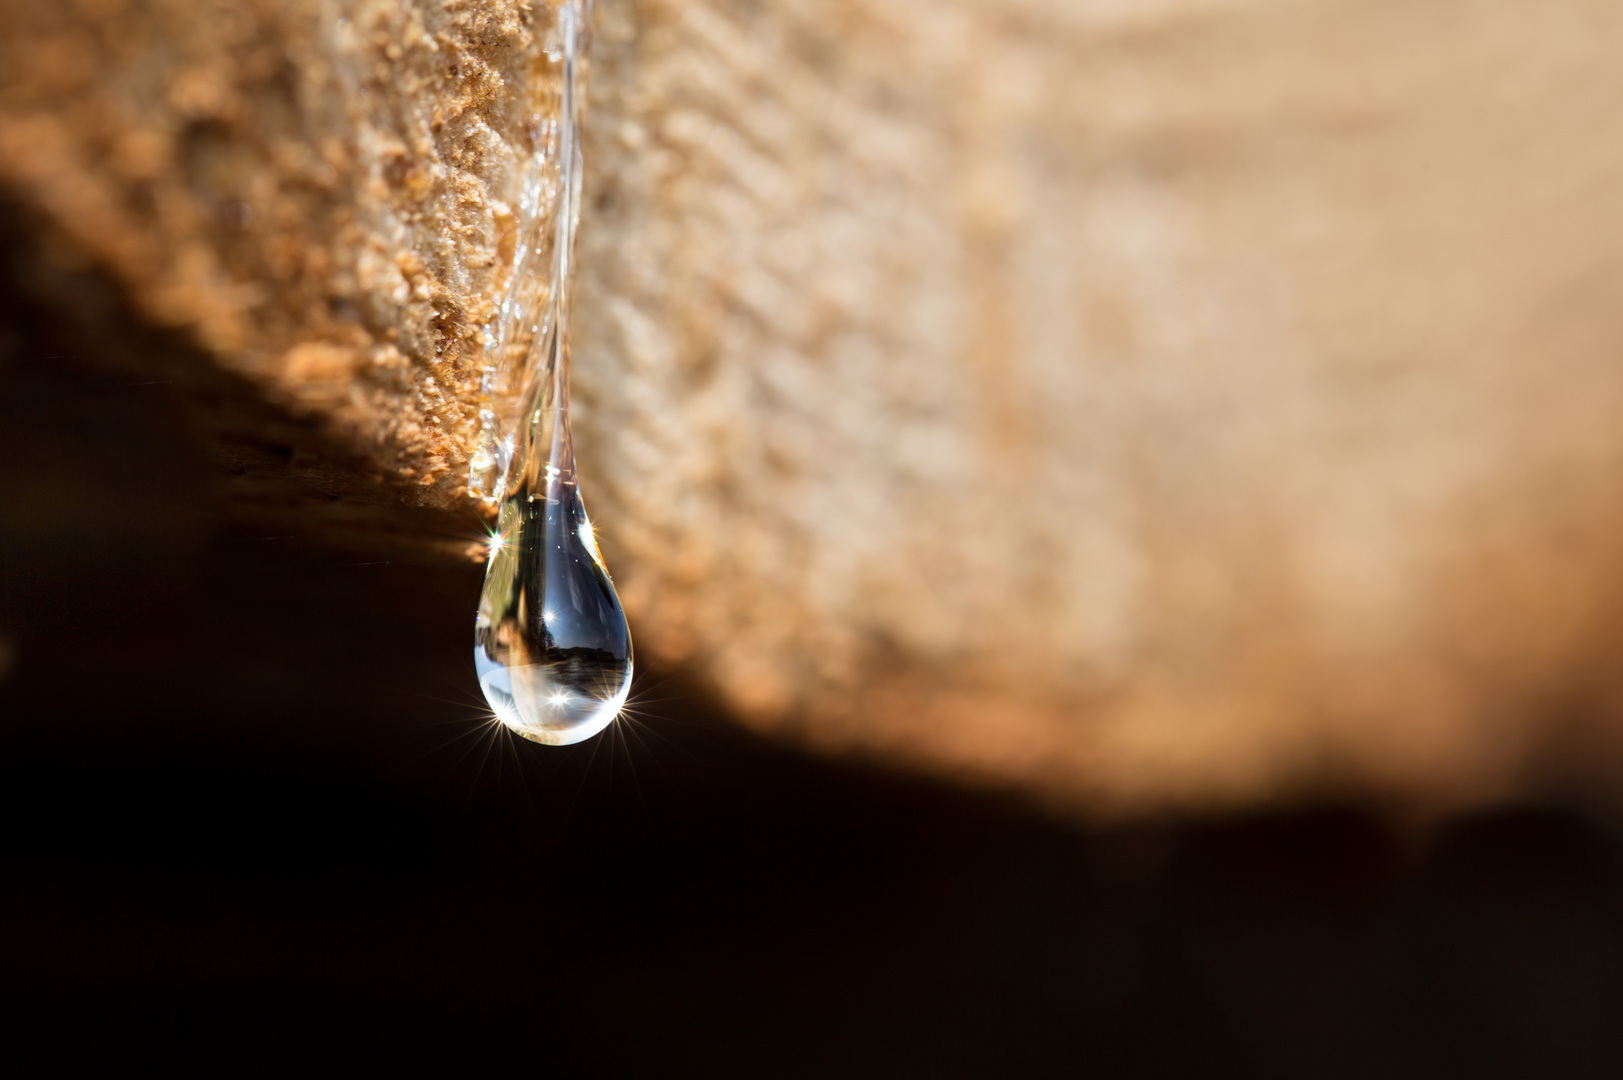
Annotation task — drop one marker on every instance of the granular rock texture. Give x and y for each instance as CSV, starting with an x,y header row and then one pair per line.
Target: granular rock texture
x,y
1191,401
319,192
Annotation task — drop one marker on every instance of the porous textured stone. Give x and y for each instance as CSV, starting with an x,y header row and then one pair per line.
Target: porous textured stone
x,y
318,192
1188,402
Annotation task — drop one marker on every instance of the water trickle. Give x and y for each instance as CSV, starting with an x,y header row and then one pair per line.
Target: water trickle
x,y
551,643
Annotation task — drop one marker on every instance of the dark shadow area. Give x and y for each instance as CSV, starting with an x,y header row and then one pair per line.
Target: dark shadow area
x,y
253,817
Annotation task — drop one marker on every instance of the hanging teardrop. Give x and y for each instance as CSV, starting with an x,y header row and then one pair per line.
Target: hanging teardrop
x,y
552,647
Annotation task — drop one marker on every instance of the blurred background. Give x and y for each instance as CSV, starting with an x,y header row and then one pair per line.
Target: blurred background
x,y
1119,504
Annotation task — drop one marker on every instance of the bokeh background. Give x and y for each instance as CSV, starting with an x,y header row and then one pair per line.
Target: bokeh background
x,y
1119,505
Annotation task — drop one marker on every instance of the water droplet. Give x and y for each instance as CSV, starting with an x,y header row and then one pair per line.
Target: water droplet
x,y
551,643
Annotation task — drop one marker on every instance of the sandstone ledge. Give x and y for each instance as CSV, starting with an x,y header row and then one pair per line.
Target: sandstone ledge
x,y
1190,402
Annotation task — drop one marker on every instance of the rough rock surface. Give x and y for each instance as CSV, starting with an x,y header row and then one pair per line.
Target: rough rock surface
x,y
1187,401
314,190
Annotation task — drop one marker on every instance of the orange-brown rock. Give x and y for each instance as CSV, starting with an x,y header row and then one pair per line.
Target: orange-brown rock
x,y
1190,401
